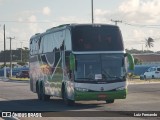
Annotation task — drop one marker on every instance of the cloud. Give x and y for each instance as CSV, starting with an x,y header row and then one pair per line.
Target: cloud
x,y
46,11
33,26
20,19
32,18
100,12
71,19
129,6
68,19
138,33
143,11
132,11
1,2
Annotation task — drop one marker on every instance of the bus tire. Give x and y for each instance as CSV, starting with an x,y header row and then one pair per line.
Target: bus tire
x,y
43,95
65,98
38,91
110,101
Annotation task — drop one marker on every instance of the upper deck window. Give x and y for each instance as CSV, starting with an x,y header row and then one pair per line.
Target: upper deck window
x,y
96,38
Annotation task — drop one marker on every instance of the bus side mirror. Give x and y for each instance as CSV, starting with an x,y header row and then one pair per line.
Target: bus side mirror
x,y
72,61
131,61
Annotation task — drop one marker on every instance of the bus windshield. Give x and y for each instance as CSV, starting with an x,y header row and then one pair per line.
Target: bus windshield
x,y
99,38
101,67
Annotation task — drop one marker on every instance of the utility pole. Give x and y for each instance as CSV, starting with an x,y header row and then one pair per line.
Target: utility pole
x,y
116,21
11,55
92,11
21,51
4,52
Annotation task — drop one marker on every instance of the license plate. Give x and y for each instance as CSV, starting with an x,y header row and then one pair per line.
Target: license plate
x,y
102,96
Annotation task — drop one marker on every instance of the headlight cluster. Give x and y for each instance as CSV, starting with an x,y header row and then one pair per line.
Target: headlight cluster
x,y
121,88
82,89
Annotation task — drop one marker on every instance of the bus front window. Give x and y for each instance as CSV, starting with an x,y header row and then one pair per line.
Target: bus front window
x,y
100,67
87,67
112,67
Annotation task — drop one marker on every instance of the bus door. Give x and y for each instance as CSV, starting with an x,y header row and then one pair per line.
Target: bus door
x,y
69,76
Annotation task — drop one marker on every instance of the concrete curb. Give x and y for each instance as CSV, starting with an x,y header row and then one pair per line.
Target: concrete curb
x,y
147,82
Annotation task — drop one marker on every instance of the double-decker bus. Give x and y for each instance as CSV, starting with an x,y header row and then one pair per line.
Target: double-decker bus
x,y
79,62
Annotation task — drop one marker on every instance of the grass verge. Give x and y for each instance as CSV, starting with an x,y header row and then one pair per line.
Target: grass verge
x,y
14,78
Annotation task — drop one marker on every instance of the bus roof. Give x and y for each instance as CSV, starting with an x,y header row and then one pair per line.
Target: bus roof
x,y
64,26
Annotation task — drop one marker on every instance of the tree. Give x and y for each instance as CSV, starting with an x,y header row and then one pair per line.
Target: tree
x,y
135,51
137,61
149,42
25,48
21,63
16,55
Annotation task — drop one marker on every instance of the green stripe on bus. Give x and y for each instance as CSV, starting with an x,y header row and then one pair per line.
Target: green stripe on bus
x,y
120,94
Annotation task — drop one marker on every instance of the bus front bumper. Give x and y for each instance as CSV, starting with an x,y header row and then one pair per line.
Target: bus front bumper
x,y
106,95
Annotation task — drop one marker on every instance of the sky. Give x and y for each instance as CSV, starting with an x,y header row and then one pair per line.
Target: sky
x,y
140,19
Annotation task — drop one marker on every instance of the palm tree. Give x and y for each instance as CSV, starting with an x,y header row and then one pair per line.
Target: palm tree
x,y
149,42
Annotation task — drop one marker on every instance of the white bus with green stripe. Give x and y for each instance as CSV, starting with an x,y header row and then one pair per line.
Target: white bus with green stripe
x,y
79,62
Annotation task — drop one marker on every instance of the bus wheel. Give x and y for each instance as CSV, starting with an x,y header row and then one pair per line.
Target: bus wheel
x,y
66,100
110,101
44,97
38,92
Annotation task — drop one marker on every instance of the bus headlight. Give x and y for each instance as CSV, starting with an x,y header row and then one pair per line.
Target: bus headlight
x,y
121,88
81,89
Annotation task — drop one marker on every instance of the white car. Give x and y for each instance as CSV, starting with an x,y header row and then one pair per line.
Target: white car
x,y
152,72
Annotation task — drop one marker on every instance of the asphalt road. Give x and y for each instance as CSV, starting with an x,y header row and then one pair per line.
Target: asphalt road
x,y
16,96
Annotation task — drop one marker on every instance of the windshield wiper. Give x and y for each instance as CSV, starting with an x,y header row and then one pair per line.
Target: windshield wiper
x,y
116,77
107,76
